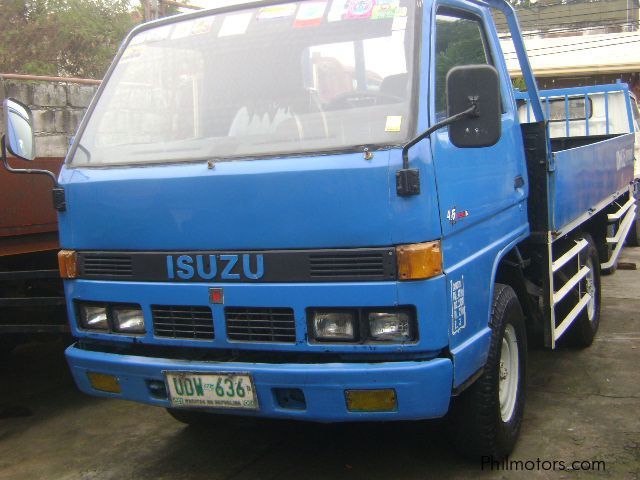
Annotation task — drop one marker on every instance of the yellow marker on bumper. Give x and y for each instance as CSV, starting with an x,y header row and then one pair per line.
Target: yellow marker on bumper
x,y
104,382
371,400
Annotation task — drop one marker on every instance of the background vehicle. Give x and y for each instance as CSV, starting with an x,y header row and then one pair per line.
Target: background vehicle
x,y
32,296
287,245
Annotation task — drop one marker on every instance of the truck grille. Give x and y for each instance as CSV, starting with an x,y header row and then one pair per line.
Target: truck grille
x,y
106,265
354,265
261,324
182,322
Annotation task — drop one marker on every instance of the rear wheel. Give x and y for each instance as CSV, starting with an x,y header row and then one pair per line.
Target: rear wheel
x,y
585,327
485,420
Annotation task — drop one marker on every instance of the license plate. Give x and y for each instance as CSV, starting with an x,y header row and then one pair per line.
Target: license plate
x,y
211,390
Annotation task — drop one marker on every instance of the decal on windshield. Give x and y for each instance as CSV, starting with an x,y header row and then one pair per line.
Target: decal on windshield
x,y
360,9
193,27
393,124
235,24
338,10
385,9
310,14
276,11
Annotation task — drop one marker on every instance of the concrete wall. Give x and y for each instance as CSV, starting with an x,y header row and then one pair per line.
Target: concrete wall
x,y
57,110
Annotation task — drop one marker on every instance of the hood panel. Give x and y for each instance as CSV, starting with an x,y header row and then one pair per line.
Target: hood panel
x,y
312,202
339,201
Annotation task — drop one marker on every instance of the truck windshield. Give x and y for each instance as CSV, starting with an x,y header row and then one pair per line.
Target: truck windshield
x,y
284,79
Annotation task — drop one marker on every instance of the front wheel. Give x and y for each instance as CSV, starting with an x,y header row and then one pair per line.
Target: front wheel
x,y
485,420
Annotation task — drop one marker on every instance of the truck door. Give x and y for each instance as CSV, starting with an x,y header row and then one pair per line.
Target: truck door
x,y
482,191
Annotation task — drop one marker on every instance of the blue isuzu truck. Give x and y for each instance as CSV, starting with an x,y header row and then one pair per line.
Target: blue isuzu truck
x,y
332,211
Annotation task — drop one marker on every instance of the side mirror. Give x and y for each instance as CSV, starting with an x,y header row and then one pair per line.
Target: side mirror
x,y
18,125
479,85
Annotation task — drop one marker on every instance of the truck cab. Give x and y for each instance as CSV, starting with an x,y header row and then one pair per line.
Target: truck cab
x,y
266,216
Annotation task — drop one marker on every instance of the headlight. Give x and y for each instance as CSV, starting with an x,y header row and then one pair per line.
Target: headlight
x,y
93,316
128,319
390,326
334,325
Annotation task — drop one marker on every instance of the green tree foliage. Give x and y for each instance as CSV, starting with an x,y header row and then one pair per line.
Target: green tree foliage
x,y
62,37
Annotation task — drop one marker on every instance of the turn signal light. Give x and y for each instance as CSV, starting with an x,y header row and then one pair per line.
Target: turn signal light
x,y
419,260
68,263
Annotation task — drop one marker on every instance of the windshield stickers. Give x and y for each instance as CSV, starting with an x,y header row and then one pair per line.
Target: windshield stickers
x,y
276,11
235,24
338,10
310,13
360,9
385,9
193,27
393,124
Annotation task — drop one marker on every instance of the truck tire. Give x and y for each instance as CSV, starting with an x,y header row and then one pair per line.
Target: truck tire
x,y
485,419
585,327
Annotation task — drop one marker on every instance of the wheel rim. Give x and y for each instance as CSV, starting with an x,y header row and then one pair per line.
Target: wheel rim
x,y
590,288
509,373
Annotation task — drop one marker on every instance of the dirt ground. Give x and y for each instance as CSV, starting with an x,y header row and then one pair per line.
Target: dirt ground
x,y
581,406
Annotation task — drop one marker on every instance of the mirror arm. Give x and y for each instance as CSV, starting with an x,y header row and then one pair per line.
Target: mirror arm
x,y
469,112
408,179
59,201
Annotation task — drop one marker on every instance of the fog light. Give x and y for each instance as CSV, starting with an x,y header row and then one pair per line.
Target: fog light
x,y
334,325
390,326
371,400
104,382
93,317
128,319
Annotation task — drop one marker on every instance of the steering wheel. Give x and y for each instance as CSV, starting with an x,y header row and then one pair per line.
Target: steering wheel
x,y
361,98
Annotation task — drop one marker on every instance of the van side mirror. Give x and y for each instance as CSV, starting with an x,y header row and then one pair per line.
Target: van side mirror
x,y
478,85
18,125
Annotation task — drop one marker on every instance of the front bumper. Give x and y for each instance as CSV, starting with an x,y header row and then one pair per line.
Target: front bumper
x,y
423,388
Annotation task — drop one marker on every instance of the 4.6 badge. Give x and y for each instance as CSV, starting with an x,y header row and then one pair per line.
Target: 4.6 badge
x,y
453,215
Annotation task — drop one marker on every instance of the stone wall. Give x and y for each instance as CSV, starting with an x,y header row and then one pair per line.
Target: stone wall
x,y
57,110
